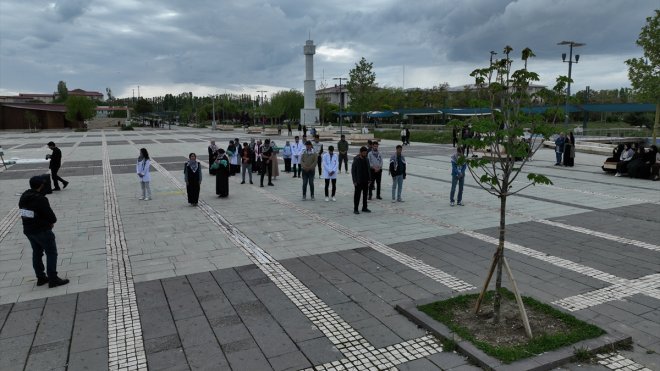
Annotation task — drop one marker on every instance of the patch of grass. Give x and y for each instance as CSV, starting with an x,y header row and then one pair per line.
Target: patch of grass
x,y
427,136
448,345
578,330
582,355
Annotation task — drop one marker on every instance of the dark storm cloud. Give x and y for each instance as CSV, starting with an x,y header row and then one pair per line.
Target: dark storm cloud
x,y
216,44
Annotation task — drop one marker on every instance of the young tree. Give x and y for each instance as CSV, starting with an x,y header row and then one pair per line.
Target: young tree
x,y
62,92
79,109
644,73
32,120
502,133
361,85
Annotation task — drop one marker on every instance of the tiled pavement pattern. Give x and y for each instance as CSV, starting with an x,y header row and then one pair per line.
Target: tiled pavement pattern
x,y
617,238
125,346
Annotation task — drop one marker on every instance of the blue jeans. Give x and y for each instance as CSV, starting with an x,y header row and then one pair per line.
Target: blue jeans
x,y
43,241
455,179
308,177
397,182
558,155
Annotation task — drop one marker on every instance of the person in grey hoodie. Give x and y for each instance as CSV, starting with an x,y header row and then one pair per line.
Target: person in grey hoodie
x,y
376,169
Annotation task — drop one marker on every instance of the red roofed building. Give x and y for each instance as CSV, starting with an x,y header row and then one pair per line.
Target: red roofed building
x,y
49,116
89,94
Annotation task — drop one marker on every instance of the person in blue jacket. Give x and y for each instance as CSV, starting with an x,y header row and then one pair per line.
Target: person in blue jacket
x,y
457,176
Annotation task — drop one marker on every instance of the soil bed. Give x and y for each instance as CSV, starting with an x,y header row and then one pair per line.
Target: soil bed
x,y
506,340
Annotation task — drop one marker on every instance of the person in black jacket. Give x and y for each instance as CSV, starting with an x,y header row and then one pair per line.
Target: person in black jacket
x,y
38,221
55,163
361,179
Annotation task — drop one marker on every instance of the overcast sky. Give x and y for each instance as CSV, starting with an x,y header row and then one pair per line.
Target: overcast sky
x,y
212,46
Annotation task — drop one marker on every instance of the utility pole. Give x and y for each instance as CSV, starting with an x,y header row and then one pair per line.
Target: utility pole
x,y
570,62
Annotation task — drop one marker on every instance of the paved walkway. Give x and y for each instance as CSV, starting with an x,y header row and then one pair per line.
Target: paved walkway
x,y
261,280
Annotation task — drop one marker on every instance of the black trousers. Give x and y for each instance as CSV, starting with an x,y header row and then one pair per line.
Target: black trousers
x,y
334,186
267,169
375,182
318,162
192,188
287,165
297,170
343,158
360,189
56,178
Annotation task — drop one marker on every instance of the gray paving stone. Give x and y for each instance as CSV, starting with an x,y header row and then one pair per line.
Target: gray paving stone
x,y
90,331
157,322
4,312
326,292
248,360
350,311
171,360
89,360
447,360
48,356
92,300
15,351
272,297
56,323
181,298
207,356
23,322
296,325
155,345
319,351
421,364
289,361
194,331
238,292
240,345
230,333
226,275
30,304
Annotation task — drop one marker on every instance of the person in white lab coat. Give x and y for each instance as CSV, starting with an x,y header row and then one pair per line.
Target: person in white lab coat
x,y
330,167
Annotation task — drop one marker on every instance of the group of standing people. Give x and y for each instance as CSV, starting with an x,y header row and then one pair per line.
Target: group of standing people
x,y
565,149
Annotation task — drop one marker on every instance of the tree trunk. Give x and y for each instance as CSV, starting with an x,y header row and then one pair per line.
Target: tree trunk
x,y
656,126
497,299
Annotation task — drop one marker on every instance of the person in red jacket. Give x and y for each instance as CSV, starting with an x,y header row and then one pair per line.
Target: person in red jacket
x,y
38,221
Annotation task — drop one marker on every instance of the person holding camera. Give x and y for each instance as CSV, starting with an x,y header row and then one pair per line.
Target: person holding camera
x,y
55,163
457,176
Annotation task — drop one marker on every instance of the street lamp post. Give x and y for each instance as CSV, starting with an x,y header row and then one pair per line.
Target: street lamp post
x,y
262,101
341,116
213,124
570,62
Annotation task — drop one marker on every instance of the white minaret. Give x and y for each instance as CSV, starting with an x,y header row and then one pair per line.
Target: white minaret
x,y
309,115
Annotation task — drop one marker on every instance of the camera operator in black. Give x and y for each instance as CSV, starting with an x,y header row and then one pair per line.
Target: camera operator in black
x,y
55,163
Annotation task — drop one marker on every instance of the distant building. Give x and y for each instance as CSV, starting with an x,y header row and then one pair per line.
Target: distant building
x,y
44,98
105,111
48,116
89,94
331,95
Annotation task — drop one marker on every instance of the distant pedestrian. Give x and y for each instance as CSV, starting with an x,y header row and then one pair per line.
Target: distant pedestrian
x,y
144,175
318,148
360,172
330,166
274,160
304,130
286,155
376,167
407,136
55,163
192,174
233,158
213,153
569,150
454,136
38,221
288,128
308,163
297,149
398,173
266,153
221,165
403,136
457,176
247,159
559,148
342,148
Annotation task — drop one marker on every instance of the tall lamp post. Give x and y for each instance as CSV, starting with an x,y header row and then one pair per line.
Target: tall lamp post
x,y
262,100
571,44
341,100
213,123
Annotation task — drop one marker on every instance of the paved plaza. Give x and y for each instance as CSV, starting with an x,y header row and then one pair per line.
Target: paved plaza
x,y
262,280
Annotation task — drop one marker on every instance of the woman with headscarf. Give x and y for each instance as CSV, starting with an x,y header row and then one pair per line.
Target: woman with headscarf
x,y
142,169
233,157
192,174
222,174
569,150
213,154
274,162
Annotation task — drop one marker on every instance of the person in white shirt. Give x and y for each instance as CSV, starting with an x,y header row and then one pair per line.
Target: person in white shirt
x,y
297,149
330,168
142,170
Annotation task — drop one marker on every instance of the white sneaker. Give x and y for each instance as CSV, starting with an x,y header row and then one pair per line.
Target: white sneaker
x,y
451,203
327,199
393,200
460,203
141,198
334,199
400,200
617,174
147,199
